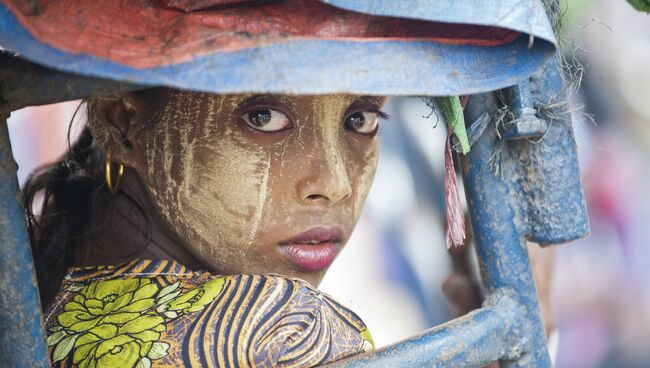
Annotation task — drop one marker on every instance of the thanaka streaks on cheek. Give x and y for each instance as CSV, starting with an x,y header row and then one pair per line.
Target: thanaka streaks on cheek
x,y
205,181
163,155
366,174
225,191
228,191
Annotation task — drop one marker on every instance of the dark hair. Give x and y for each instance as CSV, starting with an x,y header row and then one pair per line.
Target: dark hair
x,y
58,200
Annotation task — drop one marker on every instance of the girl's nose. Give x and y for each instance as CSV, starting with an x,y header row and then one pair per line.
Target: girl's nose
x,y
326,181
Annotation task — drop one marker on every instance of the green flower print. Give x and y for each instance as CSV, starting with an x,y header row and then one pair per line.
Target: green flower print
x,y
108,302
110,346
198,298
117,323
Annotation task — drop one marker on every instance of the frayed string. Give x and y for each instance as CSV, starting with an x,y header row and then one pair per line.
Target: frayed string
x,y
455,216
499,118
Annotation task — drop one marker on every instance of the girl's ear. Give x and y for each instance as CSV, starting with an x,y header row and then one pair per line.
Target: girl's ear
x,y
118,122
119,116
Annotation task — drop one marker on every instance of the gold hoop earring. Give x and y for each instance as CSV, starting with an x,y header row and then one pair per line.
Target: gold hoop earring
x,y
109,182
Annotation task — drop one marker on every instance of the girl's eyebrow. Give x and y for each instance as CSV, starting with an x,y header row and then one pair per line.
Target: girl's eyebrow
x,y
268,97
369,102
371,99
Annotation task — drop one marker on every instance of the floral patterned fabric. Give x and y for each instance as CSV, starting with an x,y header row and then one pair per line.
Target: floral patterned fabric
x,y
159,314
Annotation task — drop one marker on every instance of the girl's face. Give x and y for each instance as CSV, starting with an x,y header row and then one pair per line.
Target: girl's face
x,y
262,183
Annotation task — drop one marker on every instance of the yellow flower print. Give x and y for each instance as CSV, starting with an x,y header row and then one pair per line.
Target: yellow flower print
x,y
196,299
113,301
117,323
124,346
109,324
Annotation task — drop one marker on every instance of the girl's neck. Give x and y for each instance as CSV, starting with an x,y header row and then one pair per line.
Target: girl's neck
x,y
124,226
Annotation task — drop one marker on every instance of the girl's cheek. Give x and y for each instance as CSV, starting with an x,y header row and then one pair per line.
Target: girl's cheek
x,y
204,177
365,174
223,194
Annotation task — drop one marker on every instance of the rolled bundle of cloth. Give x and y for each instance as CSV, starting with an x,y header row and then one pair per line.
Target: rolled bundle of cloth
x,y
380,47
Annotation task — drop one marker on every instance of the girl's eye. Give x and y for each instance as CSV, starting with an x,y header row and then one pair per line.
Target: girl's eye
x,y
364,122
267,120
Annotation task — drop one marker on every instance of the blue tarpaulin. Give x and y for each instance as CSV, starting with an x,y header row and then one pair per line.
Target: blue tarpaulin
x,y
314,66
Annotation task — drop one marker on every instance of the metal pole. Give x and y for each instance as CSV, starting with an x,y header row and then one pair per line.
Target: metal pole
x,y
494,208
474,340
22,337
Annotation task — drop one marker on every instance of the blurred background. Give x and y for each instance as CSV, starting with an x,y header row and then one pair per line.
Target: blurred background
x,y
393,267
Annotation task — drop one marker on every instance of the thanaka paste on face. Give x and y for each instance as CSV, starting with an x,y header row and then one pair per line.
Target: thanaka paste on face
x,y
231,195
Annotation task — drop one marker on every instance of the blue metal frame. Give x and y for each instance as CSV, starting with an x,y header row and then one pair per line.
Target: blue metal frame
x,y
22,337
535,195
476,339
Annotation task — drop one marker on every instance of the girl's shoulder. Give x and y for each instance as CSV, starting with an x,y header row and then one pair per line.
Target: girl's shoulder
x,y
159,313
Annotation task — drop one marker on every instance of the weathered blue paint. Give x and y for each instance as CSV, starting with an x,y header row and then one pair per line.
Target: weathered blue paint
x,y
538,197
552,205
22,338
474,340
527,16
493,204
317,66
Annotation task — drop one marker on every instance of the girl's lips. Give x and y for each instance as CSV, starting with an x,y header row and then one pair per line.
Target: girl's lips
x,y
312,250
312,257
